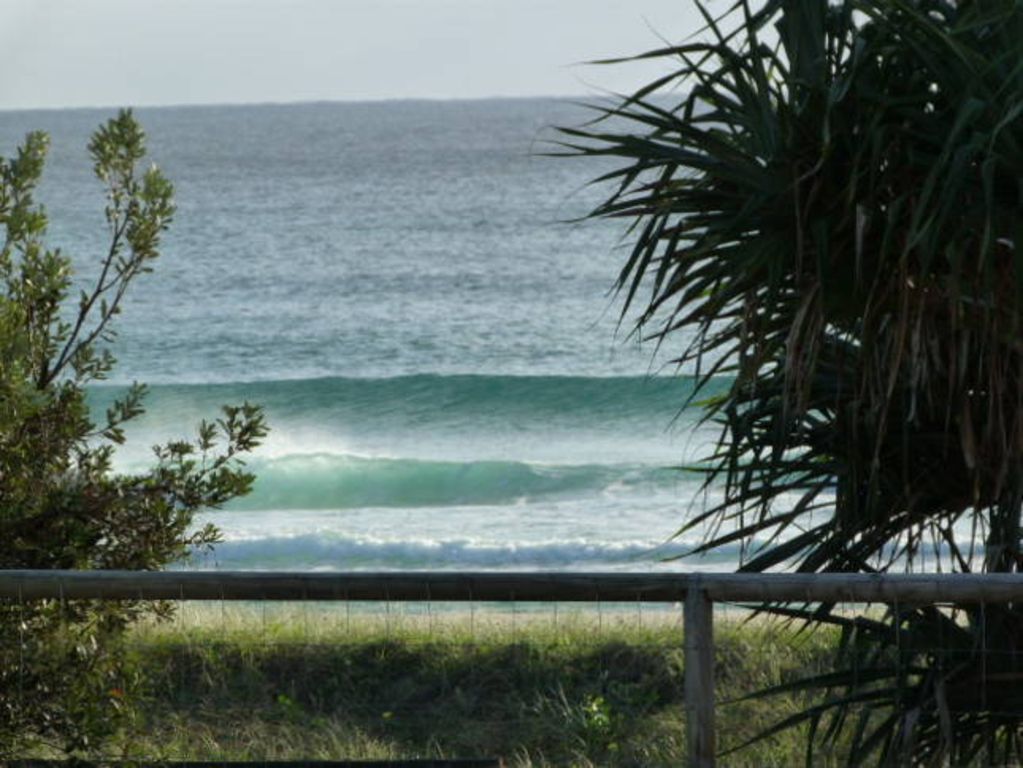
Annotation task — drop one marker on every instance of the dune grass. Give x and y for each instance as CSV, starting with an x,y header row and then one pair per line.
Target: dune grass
x,y
542,687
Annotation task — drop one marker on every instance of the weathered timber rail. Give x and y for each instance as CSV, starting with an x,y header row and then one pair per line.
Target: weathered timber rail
x,y
468,586
696,592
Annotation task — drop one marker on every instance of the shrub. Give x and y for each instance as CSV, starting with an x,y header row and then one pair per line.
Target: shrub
x,y
62,506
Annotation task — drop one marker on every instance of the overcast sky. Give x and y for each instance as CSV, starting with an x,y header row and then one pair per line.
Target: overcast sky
x,y
60,53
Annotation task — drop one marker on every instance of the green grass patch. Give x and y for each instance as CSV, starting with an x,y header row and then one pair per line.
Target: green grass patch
x,y
581,688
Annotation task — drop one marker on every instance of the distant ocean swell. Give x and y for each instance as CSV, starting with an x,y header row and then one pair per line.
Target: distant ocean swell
x,y
328,481
458,439
471,397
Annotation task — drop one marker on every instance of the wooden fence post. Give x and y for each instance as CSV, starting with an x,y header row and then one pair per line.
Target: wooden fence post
x,y
699,677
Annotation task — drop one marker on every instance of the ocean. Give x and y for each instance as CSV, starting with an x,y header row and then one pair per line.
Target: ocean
x,y
405,288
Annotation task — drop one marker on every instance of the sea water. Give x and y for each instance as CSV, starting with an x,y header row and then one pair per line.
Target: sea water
x,y
405,288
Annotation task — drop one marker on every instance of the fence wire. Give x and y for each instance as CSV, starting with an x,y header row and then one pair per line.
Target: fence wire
x,y
532,683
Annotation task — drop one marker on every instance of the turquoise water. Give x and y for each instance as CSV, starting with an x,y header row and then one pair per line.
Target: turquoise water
x,y
437,350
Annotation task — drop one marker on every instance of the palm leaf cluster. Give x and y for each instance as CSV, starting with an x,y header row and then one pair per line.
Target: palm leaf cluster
x,y
824,203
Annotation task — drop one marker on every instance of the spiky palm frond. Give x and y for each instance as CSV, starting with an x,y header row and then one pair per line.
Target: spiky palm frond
x,y
830,219
826,206
917,686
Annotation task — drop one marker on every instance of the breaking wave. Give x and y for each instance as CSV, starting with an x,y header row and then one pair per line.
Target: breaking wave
x,y
331,481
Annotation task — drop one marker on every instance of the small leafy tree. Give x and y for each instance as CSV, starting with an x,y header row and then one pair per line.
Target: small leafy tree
x,y
825,204
63,683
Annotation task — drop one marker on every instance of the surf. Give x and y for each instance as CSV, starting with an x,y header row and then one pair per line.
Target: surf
x,y
329,481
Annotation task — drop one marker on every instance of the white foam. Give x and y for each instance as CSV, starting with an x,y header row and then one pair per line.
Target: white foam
x,y
355,552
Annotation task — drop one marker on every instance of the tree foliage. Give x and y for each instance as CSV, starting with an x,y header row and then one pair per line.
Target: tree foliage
x,y
62,505
824,202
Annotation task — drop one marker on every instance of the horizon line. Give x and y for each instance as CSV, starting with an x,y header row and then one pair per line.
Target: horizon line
x,y
567,98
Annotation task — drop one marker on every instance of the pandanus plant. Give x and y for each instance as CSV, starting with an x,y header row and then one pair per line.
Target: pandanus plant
x,y
824,203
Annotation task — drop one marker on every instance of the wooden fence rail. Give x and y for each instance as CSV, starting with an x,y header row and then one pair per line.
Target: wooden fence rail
x,y
697,593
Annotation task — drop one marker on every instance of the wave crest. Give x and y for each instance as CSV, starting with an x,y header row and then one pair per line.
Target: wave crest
x,y
330,481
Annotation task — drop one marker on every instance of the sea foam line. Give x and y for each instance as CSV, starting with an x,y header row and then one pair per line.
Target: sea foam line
x,y
345,553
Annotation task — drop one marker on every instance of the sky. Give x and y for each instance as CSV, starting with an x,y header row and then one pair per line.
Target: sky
x,y
75,53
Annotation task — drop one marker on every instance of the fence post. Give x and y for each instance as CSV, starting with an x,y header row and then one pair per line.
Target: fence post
x,y
699,676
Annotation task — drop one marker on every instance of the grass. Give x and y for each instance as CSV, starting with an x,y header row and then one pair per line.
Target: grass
x,y
539,688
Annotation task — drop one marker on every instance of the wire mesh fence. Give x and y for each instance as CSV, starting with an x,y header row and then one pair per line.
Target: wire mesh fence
x,y
580,681
451,682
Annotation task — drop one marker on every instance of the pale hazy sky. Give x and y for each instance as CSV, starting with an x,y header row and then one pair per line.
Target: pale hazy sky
x,y
60,53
